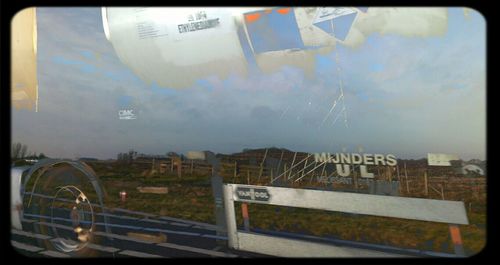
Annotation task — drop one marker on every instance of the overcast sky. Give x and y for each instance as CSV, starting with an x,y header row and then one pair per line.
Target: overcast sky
x,y
403,95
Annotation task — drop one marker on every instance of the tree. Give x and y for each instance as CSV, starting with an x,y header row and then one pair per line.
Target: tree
x,y
24,151
42,156
19,151
16,150
131,156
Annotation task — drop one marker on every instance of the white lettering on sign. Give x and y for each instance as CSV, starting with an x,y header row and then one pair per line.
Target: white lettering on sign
x,y
253,194
344,161
356,159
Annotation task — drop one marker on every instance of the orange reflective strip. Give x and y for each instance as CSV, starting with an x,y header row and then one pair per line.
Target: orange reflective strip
x,y
283,11
455,235
244,210
252,17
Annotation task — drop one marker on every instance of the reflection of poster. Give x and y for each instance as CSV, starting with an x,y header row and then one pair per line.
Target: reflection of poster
x,y
24,84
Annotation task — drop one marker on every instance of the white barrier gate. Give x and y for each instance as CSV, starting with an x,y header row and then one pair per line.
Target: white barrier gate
x,y
451,212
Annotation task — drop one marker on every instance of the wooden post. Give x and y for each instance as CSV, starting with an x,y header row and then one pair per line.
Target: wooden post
x,y
284,173
262,165
304,169
312,173
191,167
399,178
457,240
442,191
355,177
153,166
171,164
248,176
426,187
279,163
407,186
179,167
235,170
293,161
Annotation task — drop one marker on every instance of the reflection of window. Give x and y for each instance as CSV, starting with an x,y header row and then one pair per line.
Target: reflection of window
x,y
273,31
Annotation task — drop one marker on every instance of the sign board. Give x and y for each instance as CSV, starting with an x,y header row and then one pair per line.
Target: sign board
x,y
252,194
196,155
440,159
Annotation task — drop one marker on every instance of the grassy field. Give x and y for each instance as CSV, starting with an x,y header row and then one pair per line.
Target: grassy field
x,y
190,197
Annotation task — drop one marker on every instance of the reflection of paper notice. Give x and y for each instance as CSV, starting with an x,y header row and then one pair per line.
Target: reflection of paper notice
x,y
146,25
327,13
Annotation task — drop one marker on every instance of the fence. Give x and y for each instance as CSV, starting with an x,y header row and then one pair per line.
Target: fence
x,y
301,171
452,212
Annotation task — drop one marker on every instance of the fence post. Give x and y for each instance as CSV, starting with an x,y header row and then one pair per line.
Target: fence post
x,y
244,212
191,167
457,240
399,178
230,218
179,169
235,169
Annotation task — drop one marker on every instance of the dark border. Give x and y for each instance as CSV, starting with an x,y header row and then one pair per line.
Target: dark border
x,y
9,9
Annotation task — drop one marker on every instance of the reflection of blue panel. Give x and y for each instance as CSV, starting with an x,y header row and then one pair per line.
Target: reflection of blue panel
x,y
247,51
341,25
274,32
326,26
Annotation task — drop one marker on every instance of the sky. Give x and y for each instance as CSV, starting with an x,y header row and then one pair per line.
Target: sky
x,y
406,96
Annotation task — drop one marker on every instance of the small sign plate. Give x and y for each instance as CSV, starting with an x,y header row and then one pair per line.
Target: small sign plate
x,y
253,194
